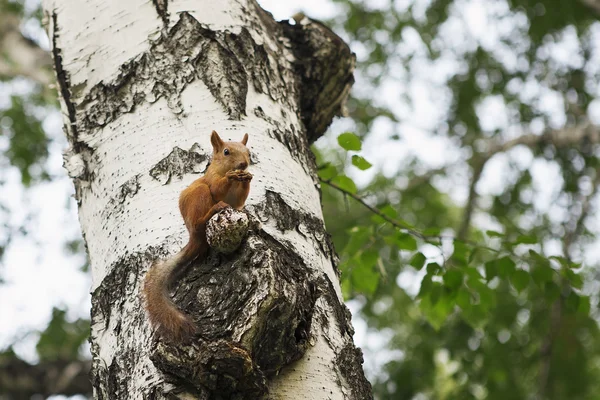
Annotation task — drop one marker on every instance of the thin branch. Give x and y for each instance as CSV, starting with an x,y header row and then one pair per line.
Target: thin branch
x,y
593,4
401,225
374,210
470,206
580,134
20,55
21,380
422,179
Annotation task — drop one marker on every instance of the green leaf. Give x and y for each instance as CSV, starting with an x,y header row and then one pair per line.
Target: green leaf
x,y
486,297
453,278
491,270
551,291
460,253
463,299
520,279
365,278
494,234
418,261
526,239
327,172
359,236
437,312
349,141
369,257
432,232
360,163
542,273
404,241
345,183
425,288
472,255
573,301
574,278
584,305
62,340
505,267
476,316
435,292
434,268
563,261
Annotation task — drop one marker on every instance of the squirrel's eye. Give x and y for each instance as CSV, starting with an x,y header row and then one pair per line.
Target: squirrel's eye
x,y
226,152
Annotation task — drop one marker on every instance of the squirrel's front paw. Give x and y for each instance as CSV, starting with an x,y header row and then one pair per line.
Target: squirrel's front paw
x,y
220,206
239,175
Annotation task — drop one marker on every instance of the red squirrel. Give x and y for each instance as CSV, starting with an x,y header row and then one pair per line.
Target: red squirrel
x,y
226,183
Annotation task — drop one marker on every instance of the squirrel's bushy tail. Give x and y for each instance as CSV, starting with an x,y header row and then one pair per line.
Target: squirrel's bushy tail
x,y
172,324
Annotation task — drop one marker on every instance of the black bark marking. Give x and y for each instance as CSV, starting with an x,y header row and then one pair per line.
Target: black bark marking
x,y
63,80
220,294
178,163
288,218
162,9
121,285
229,83
219,369
128,189
116,205
224,61
325,65
350,361
293,140
64,87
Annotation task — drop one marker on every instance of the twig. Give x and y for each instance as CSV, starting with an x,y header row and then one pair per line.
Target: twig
x,y
374,210
400,225
584,132
468,213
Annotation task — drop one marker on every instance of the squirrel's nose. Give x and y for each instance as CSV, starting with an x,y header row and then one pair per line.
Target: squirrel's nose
x,y
242,165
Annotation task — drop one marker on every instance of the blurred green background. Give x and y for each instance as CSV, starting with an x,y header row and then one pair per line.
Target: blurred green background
x,y
472,132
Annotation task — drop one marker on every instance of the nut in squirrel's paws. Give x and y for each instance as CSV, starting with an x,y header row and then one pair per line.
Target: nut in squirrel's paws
x,y
239,175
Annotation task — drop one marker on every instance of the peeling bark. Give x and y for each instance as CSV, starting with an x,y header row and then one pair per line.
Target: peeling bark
x,y
271,321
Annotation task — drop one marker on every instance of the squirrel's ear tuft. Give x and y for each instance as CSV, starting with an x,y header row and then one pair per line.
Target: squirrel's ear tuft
x,y
245,139
216,140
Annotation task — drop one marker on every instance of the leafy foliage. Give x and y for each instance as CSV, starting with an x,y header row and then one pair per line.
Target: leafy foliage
x,y
62,340
504,307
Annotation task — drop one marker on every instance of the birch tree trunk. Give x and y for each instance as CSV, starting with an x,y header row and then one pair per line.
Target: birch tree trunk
x,y
143,84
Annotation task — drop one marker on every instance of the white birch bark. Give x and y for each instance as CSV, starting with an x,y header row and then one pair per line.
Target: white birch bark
x,y
143,84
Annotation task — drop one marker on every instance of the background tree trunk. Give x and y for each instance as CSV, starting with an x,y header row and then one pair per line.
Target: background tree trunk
x,y
142,86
